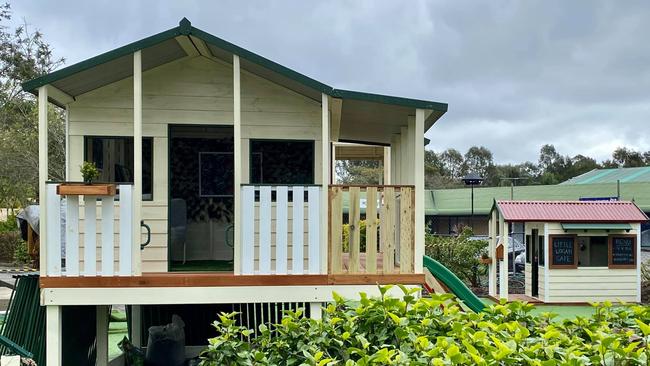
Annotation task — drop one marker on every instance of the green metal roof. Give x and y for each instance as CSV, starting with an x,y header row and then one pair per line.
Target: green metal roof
x,y
624,175
595,226
456,202
116,60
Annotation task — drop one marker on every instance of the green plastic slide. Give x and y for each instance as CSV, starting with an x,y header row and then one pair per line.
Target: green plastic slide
x,y
455,285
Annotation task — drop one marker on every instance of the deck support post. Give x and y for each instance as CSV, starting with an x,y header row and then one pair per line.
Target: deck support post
x,y
387,166
547,262
136,325
53,341
418,177
137,162
325,179
503,269
395,159
102,335
42,173
237,155
316,310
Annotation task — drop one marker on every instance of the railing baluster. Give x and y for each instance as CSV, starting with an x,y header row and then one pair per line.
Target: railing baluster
x,y
126,227
297,257
248,228
72,236
314,230
355,231
108,236
53,235
336,229
406,231
90,236
281,209
265,230
388,230
371,230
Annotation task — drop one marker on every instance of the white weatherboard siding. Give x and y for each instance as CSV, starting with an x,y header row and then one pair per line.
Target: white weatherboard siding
x,y
193,90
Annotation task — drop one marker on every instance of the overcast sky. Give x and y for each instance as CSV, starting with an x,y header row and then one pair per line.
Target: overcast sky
x,y
516,74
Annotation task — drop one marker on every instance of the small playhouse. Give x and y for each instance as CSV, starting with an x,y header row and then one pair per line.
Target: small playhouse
x,y
576,251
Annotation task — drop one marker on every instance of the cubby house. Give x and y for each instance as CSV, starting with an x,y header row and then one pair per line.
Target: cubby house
x,y
215,188
576,251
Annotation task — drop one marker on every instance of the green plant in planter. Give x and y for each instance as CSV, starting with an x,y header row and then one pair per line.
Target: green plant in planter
x,y
89,172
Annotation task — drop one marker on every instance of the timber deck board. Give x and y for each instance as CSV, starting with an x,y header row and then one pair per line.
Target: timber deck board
x,y
189,279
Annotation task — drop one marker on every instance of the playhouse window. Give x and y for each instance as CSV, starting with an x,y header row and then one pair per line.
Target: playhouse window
x,y
281,162
113,156
593,251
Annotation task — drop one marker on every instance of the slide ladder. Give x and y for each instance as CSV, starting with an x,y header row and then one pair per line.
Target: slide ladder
x,y
454,284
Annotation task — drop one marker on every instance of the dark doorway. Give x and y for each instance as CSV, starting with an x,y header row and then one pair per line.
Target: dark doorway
x,y
201,198
534,272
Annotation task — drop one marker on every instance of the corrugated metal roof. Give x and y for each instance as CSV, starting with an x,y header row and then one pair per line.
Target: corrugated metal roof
x,y
570,211
457,202
624,175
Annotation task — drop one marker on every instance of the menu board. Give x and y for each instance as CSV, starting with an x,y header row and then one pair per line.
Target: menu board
x,y
563,251
622,251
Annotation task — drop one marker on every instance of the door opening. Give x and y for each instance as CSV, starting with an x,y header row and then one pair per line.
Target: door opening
x,y
534,273
201,198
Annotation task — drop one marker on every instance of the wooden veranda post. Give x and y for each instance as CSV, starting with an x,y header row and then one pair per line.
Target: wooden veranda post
x,y
237,152
137,162
418,173
42,174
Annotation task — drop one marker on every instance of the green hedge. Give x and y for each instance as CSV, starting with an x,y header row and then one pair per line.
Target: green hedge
x,y
435,331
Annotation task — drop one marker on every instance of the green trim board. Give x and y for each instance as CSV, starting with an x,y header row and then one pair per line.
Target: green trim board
x,y
595,226
185,28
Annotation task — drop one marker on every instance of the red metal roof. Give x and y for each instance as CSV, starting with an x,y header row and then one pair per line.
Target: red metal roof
x,y
571,211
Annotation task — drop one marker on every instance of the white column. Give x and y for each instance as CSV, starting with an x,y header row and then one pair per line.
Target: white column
x,y
325,167
53,347
67,143
492,267
403,161
333,161
418,176
387,165
42,173
503,283
137,162
395,161
102,335
236,82
415,144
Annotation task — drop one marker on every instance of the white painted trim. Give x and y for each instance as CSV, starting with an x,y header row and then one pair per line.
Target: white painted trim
x,y
547,260
206,295
418,175
325,176
336,105
53,339
403,160
281,229
102,335
67,143
126,234
297,240
492,268
42,174
265,230
136,198
108,236
59,95
503,264
638,262
396,159
247,220
237,153
387,166
315,229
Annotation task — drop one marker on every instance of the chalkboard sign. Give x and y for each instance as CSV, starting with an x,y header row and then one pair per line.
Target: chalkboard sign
x,y
622,252
563,252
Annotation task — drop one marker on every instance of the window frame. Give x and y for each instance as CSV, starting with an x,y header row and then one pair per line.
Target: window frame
x,y
115,137
610,242
576,249
251,153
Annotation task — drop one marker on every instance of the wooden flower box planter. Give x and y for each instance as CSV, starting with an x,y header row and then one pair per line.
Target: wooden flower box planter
x,y
81,189
500,252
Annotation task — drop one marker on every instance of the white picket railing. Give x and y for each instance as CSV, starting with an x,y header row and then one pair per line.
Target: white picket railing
x,y
273,220
63,234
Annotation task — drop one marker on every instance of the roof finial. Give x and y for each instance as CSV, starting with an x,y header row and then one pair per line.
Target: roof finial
x,y
185,25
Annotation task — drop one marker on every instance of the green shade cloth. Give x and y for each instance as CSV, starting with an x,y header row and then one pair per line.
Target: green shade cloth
x,y
595,226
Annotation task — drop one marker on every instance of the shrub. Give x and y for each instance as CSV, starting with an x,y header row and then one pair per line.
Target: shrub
x,y
435,331
89,172
21,253
9,238
458,253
